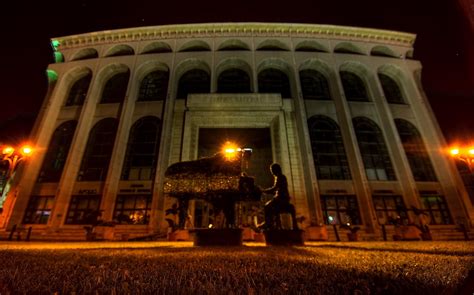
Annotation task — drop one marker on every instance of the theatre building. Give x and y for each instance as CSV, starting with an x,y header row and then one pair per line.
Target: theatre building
x,y
342,110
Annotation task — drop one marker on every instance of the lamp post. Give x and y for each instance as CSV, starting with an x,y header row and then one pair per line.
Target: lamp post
x,y
465,155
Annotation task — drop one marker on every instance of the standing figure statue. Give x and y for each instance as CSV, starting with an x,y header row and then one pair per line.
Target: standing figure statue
x,y
280,203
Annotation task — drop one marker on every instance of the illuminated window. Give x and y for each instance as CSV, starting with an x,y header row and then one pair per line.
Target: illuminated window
x,y
329,154
115,88
38,210
377,163
274,81
415,151
154,86
95,162
78,91
142,150
194,81
389,206
391,89
354,87
436,208
233,81
340,209
83,209
132,209
57,153
314,85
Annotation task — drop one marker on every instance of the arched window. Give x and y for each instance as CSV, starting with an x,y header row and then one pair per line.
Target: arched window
x,y
329,154
274,81
115,88
391,89
95,161
415,151
154,86
314,85
194,81
354,87
233,81
78,91
57,153
377,163
142,150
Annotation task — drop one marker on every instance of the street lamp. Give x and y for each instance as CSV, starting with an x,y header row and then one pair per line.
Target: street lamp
x,y
464,154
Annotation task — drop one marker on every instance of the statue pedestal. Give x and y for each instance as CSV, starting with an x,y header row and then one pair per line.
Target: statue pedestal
x,y
317,233
284,237
218,237
179,235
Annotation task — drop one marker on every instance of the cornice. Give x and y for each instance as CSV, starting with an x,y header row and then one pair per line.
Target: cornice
x,y
234,30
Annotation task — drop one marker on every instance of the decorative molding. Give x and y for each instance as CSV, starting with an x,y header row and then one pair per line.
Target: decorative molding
x,y
230,101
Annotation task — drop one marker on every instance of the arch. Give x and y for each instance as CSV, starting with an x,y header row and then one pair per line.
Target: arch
x,y
391,89
154,86
317,65
233,45
353,84
194,76
120,50
115,88
314,85
274,77
58,57
156,47
383,51
142,149
417,156
78,92
57,153
234,76
311,46
272,45
87,53
348,48
372,147
195,45
96,159
409,54
330,160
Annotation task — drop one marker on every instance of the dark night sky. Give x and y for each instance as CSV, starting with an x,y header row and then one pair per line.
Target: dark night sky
x,y
444,43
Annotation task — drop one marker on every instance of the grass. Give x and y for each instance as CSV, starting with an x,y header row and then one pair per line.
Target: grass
x,y
180,268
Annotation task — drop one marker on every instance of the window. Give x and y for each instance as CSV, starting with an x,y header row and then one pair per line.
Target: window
x,y
377,163
274,81
132,209
340,209
391,90
233,81
115,88
154,86
83,209
314,85
435,206
78,91
57,153
38,210
354,87
95,161
194,81
142,150
329,154
389,206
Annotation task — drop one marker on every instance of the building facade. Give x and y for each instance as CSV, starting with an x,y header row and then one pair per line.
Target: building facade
x,y
340,108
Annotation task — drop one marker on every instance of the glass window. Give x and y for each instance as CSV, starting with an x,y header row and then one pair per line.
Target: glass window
x,y
274,81
377,163
354,87
314,85
57,153
340,209
391,89
78,92
329,154
95,161
417,156
154,86
233,81
388,207
38,210
142,150
194,81
83,209
436,208
132,209
115,88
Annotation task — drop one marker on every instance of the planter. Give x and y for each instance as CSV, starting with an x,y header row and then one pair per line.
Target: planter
x,y
281,237
353,237
217,237
317,233
259,237
248,234
426,236
179,235
407,233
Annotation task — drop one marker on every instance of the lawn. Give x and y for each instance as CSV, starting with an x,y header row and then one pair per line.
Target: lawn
x,y
180,268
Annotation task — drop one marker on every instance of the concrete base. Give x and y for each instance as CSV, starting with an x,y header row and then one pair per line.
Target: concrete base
x,y
284,237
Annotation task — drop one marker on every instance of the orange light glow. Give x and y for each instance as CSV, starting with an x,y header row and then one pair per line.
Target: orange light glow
x,y
230,151
8,150
454,151
26,150
471,151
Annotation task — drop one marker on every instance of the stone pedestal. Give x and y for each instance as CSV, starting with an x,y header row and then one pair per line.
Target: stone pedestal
x,y
283,237
179,235
317,233
218,237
